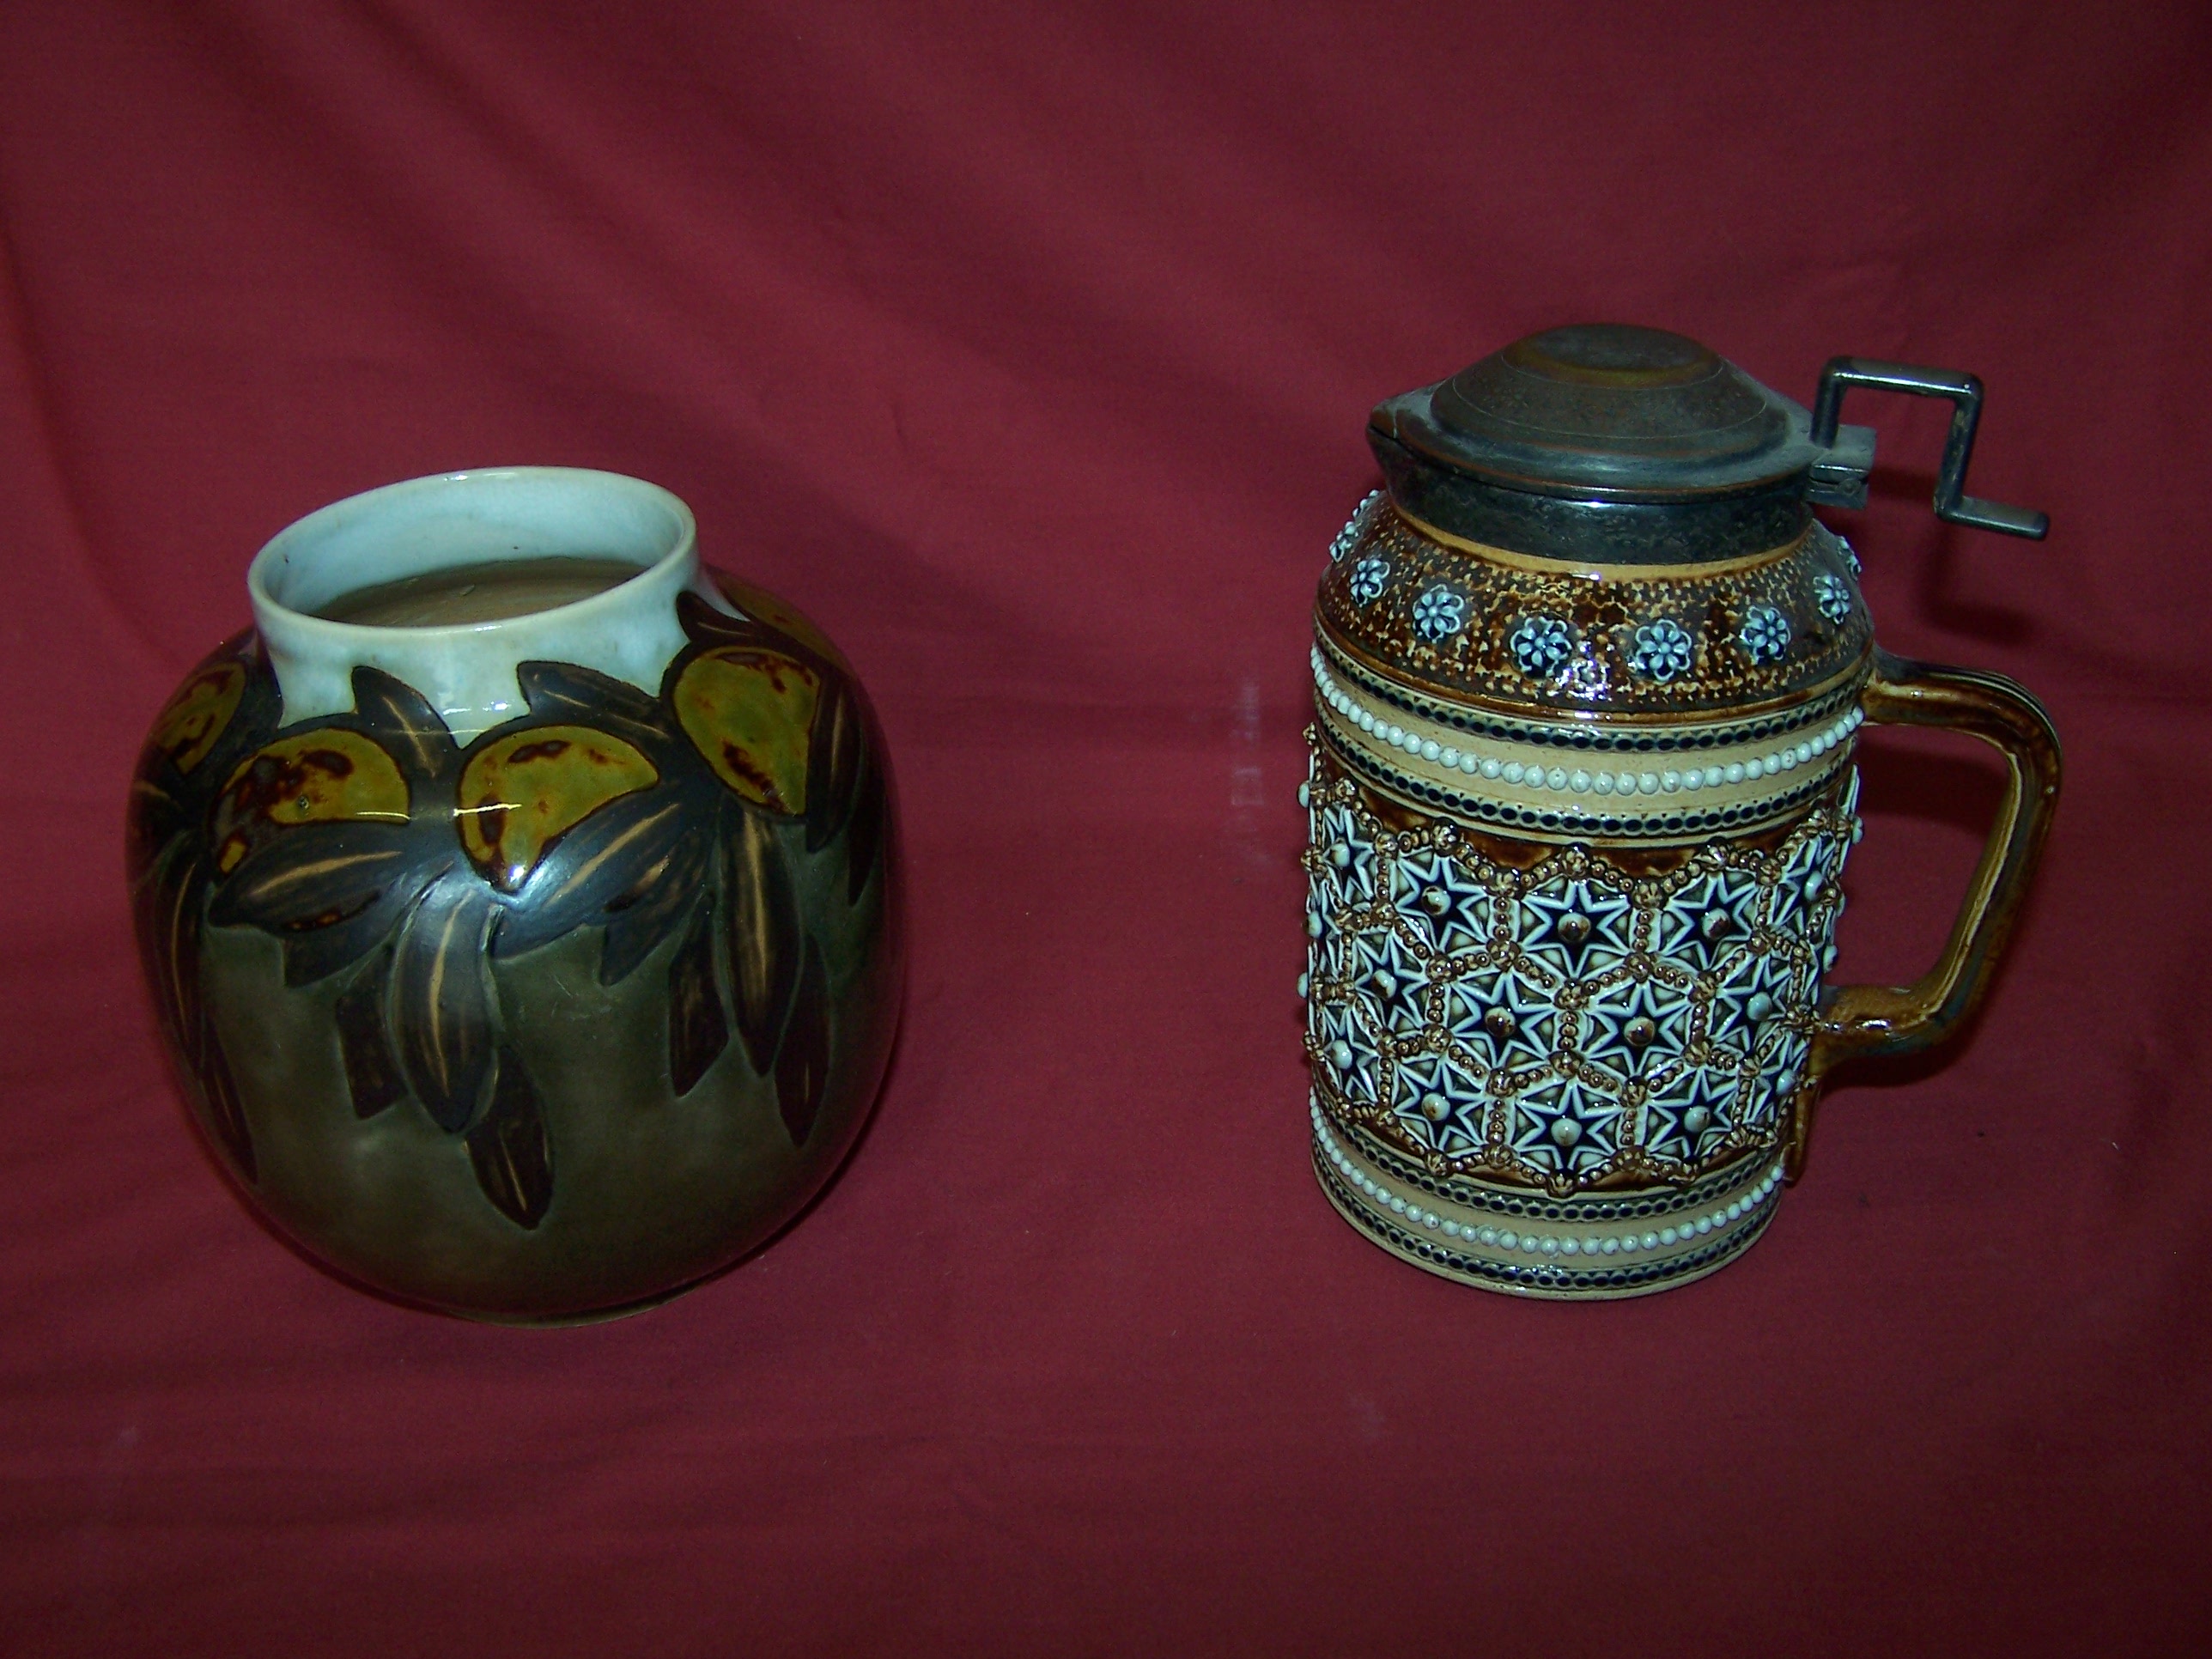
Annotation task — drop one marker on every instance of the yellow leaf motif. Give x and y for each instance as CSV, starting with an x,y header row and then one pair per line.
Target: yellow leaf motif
x,y
751,714
189,725
521,792
317,777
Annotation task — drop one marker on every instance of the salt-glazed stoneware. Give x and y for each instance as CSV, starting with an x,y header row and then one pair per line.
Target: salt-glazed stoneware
x,y
529,969
1589,677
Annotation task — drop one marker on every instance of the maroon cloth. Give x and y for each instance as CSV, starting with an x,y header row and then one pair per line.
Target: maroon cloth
x,y
1031,351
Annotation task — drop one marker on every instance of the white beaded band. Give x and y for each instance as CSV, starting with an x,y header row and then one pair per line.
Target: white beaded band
x,y
1734,776
1688,1236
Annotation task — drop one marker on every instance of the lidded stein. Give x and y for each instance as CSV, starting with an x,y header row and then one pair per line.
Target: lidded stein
x,y
1589,676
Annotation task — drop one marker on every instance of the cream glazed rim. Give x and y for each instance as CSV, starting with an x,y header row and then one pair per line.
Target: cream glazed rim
x,y
467,671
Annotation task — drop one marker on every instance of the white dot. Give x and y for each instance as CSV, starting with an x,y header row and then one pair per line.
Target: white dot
x,y
1602,783
1736,1209
1714,774
1705,1224
1451,1230
1557,777
1579,781
1571,1247
1505,1241
1651,1240
1693,779
1305,796
1648,782
1550,1245
1735,773
1449,756
1467,763
1397,734
1625,783
1670,782
1428,1218
1488,1236
1366,720
1611,1247
1513,771
1666,1235
1590,1247
1383,1194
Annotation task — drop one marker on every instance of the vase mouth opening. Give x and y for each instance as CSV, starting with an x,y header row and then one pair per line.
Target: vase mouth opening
x,y
461,520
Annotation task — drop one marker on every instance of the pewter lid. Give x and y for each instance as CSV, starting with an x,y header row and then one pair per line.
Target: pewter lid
x,y
1608,442
1611,444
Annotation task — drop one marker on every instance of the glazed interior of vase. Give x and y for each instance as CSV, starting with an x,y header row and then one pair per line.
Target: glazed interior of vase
x,y
477,592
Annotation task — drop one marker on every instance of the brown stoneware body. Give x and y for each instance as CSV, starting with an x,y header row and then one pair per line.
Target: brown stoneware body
x,y
530,968
1589,677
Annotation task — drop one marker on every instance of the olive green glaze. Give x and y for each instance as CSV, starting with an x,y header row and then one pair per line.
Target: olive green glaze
x,y
544,1026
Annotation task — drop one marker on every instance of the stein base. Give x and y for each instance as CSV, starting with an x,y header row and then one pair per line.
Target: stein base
x,y
1562,1257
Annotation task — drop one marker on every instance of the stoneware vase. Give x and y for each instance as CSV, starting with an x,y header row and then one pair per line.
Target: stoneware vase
x,y
1589,676
532,968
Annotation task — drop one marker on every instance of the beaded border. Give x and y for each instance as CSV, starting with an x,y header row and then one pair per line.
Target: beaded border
x,y
1738,1221
1574,821
1567,732
1536,1205
1542,1278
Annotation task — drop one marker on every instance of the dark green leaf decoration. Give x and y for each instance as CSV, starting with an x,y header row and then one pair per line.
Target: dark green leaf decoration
x,y
697,1032
398,717
592,868
802,1069
834,758
168,901
864,837
562,693
651,910
511,1150
331,891
443,1025
372,1071
765,934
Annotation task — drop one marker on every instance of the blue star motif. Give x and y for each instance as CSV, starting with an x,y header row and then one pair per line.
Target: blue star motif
x,y
1439,1101
1707,920
1391,980
1808,881
1347,858
1688,1116
1577,928
1632,1027
1757,991
1564,1127
1781,1067
1442,903
1501,1018
1348,1050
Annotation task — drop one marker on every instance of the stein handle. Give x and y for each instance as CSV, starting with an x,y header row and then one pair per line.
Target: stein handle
x,y
1861,1020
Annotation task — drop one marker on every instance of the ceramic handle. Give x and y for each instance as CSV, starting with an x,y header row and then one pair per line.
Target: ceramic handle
x,y
1880,1019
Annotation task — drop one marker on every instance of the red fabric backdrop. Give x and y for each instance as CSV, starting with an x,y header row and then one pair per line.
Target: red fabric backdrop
x,y
1031,351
